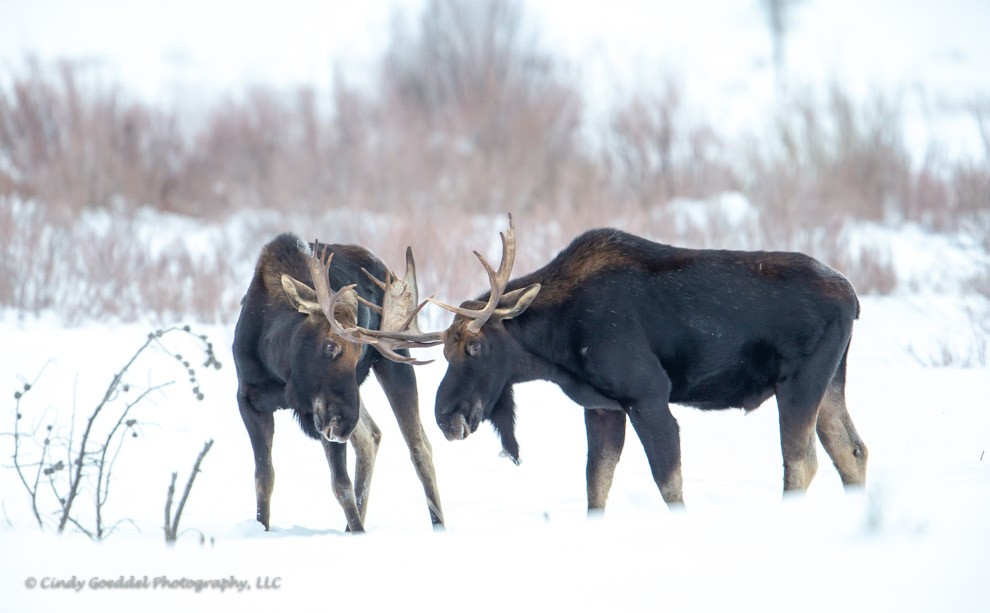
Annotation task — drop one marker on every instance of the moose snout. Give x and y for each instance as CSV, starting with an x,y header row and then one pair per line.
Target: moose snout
x,y
460,420
334,418
334,430
457,428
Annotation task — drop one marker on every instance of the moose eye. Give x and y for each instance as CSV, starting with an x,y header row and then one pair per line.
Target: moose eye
x,y
331,349
474,348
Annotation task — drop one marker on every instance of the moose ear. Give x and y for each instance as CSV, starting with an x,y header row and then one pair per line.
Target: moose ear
x,y
515,302
302,296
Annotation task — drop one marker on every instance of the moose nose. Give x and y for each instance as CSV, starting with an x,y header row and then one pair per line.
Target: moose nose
x,y
332,431
457,428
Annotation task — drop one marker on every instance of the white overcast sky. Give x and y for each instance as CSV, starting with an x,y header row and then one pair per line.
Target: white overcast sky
x,y
719,49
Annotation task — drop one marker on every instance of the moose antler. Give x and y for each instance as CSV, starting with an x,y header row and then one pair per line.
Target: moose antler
x,y
399,308
319,269
498,281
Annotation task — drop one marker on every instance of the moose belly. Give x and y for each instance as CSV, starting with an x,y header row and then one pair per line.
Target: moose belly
x,y
734,389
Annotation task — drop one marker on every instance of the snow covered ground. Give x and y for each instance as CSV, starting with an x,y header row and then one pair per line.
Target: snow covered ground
x,y
517,537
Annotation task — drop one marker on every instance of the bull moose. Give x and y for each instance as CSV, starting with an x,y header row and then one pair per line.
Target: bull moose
x,y
626,326
306,339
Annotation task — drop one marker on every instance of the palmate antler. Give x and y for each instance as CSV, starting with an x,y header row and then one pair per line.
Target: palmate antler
x,y
400,302
498,281
399,308
319,269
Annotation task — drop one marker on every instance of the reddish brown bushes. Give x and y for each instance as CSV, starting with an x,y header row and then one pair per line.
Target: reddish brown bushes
x,y
468,118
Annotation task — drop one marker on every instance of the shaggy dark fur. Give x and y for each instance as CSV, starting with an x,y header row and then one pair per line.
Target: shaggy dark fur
x,y
287,359
628,325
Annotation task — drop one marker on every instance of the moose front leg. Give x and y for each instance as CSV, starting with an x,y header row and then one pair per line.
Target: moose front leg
x,y
606,437
365,439
261,429
343,491
657,430
640,378
399,383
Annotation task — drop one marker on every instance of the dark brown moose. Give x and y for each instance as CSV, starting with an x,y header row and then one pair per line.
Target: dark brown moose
x,y
626,326
306,339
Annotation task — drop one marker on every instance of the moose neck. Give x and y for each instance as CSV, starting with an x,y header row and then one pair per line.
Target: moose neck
x,y
534,334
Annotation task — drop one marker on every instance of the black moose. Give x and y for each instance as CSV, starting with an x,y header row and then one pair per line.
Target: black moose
x,y
626,326
300,344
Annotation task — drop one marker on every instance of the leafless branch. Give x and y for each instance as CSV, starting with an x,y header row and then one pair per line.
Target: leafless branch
x,y
103,466
90,463
172,524
32,488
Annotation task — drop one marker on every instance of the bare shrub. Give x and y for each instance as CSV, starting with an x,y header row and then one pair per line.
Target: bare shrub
x,y
869,268
261,151
75,142
468,117
980,109
496,117
969,187
654,152
99,265
172,522
53,485
830,161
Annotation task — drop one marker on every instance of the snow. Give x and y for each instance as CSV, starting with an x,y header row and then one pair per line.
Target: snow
x,y
518,537
915,539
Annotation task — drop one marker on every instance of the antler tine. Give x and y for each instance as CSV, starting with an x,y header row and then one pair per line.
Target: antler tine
x,y
482,316
399,309
395,321
497,280
469,313
410,278
387,351
373,278
319,268
347,334
371,305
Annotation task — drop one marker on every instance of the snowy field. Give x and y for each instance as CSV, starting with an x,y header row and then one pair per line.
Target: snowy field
x,y
518,537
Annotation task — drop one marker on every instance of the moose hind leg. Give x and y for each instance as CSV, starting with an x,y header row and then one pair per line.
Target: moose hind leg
x,y
812,393
606,436
365,439
341,485
797,444
798,400
839,437
261,429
